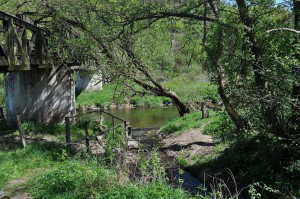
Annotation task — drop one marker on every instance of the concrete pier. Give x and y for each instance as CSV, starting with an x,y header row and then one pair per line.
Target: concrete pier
x,y
88,81
40,95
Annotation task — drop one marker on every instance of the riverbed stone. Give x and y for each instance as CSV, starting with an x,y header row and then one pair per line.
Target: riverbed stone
x,y
133,144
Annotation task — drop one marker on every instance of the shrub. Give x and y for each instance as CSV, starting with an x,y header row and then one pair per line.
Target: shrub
x,y
73,179
222,128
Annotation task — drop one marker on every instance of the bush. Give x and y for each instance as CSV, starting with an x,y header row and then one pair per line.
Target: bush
x,y
73,179
87,179
222,128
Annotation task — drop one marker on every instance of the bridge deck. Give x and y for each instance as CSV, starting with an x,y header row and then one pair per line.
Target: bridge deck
x,y
23,45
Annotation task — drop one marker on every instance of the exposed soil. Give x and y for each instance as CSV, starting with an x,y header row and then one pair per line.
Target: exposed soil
x,y
17,189
188,144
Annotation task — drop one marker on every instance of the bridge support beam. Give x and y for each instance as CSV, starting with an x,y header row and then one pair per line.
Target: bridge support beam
x,y
41,95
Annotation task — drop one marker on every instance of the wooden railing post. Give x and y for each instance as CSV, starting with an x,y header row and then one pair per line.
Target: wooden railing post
x,y
205,112
113,126
68,132
21,131
125,130
101,119
87,137
2,117
2,114
129,134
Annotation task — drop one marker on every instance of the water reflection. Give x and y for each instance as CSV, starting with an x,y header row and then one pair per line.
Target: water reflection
x,y
140,117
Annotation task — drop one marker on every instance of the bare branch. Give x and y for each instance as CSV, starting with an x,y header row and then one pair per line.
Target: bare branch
x,y
162,15
284,29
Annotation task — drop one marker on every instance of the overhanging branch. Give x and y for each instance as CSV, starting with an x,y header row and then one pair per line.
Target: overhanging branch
x,y
284,29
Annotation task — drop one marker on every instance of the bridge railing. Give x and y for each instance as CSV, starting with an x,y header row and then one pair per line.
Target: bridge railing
x,y
23,44
102,130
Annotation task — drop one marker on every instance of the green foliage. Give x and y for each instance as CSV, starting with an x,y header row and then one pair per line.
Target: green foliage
x,y
183,162
192,91
16,162
149,101
114,141
151,168
148,191
100,98
188,121
222,128
84,179
255,159
50,129
73,179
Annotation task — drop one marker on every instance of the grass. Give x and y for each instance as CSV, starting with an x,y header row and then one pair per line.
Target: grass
x,y
99,98
22,163
189,121
88,179
193,92
48,171
51,173
106,96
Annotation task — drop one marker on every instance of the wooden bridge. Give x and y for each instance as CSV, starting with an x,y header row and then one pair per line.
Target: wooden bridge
x,y
23,45
34,88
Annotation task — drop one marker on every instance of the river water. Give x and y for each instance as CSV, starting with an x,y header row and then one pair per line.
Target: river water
x,y
145,122
140,117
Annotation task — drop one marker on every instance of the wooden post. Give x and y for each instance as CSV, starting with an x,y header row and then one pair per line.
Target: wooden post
x,y
68,132
87,137
1,113
2,118
205,112
21,131
129,131
125,129
113,126
79,114
101,119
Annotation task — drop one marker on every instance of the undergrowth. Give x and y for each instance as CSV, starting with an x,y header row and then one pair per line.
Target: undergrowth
x,y
258,160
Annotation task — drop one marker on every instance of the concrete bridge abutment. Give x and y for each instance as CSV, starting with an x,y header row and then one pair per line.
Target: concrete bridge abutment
x,y
88,80
42,95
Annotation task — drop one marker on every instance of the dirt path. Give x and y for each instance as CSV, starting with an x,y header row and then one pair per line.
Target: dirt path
x,y
15,189
188,144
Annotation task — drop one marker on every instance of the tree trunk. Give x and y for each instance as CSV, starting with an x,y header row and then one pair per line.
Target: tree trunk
x,y
295,120
269,111
231,110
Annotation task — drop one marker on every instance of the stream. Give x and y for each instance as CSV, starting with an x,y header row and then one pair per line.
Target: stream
x,y
150,140
140,117
145,123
